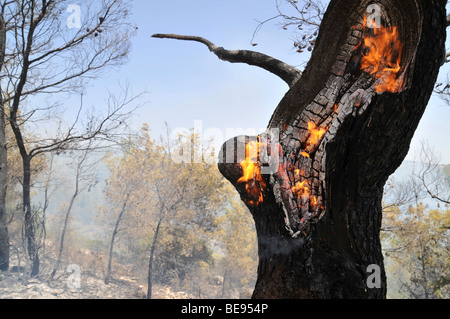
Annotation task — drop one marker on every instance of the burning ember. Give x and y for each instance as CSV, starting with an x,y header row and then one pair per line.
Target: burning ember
x,y
305,154
313,201
301,189
316,134
381,56
254,183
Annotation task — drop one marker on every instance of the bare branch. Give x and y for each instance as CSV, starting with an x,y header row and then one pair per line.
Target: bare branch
x,y
306,18
98,128
286,72
432,176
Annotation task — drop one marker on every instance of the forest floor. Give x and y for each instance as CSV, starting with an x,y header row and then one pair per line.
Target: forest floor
x,y
12,286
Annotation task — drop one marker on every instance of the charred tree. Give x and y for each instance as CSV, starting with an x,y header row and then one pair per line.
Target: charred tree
x,y
314,180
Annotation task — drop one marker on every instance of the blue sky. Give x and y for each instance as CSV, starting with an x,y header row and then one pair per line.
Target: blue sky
x,y
187,83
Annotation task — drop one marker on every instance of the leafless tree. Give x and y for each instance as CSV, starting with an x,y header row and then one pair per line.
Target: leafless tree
x,y
432,176
47,54
85,178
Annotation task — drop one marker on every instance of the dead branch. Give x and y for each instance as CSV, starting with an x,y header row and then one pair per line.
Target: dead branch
x,y
286,72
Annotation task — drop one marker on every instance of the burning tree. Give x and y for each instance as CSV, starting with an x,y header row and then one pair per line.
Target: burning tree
x,y
314,180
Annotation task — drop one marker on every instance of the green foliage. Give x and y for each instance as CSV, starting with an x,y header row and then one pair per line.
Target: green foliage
x,y
418,249
170,205
238,240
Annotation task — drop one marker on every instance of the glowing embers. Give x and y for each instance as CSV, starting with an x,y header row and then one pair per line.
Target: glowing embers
x,y
303,192
381,51
301,189
254,183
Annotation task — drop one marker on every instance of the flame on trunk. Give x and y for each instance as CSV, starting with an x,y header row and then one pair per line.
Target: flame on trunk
x,y
301,189
316,133
314,201
254,183
305,154
315,136
381,56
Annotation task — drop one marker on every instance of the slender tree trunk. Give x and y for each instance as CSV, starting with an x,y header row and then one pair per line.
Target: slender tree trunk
x,y
323,242
30,223
225,279
4,237
64,231
77,191
152,257
113,239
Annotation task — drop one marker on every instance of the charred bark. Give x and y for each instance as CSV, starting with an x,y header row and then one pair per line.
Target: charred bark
x,y
321,242
314,180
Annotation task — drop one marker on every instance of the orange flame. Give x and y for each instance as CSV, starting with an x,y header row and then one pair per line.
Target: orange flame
x,y
301,189
305,154
315,135
382,54
313,201
255,184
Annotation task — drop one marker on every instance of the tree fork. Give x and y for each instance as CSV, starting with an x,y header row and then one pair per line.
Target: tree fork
x,y
324,248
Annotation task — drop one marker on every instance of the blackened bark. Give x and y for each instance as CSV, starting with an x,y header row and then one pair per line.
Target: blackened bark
x,y
4,237
325,252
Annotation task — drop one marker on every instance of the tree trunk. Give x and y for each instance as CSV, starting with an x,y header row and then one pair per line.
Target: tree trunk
x,y
225,279
29,221
331,145
76,193
113,239
30,224
152,257
4,237
64,231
